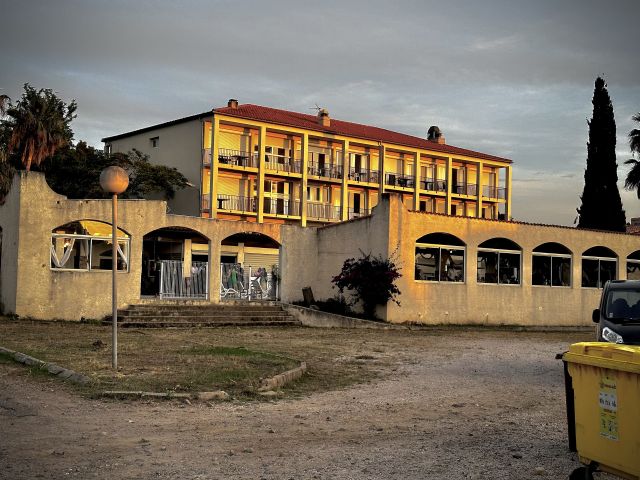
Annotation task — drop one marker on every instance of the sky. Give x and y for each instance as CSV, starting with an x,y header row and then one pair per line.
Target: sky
x,y
505,77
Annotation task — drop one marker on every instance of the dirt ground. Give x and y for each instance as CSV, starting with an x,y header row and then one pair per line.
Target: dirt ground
x,y
459,404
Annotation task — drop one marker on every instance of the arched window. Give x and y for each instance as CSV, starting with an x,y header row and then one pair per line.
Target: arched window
x,y
440,258
499,261
551,265
633,266
599,264
86,245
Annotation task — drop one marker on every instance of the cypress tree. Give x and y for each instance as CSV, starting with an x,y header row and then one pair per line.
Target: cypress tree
x,y
601,207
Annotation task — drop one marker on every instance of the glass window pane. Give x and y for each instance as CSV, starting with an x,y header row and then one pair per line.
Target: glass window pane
x,y
101,254
509,268
561,272
487,267
589,273
541,270
633,271
427,263
607,271
451,265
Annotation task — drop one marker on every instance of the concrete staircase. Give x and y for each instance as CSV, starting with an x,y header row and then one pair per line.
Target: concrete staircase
x,y
177,315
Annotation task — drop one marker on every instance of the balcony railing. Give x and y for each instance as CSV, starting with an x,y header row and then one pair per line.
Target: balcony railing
x,y
493,192
281,206
398,180
237,158
434,185
364,175
324,170
280,163
323,211
239,204
464,189
362,212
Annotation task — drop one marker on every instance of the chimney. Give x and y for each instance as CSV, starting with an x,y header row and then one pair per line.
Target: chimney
x,y
232,103
323,117
435,135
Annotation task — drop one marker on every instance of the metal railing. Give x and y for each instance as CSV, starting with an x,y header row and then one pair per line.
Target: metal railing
x,y
399,180
281,163
324,170
323,211
281,206
362,212
173,284
238,158
465,189
364,175
250,283
434,185
233,202
493,192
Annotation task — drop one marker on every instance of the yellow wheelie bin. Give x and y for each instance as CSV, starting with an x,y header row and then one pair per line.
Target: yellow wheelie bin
x,y
605,379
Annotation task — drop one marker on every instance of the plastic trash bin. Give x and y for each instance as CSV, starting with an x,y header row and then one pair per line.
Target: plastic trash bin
x,y
606,401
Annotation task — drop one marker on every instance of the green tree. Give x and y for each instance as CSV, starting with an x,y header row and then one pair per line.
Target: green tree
x,y
40,124
601,207
84,164
632,181
372,279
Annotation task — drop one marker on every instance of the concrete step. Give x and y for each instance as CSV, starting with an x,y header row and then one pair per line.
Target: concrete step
x,y
174,324
203,314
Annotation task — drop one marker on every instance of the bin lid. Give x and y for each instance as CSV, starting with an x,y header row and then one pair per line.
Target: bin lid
x,y
605,355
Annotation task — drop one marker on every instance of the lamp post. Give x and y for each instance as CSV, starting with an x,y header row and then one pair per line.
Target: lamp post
x,y
114,180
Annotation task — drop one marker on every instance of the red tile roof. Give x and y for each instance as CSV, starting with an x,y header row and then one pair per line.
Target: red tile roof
x,y
348,129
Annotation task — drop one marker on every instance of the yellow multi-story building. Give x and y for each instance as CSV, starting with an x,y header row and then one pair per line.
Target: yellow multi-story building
x,y
276,166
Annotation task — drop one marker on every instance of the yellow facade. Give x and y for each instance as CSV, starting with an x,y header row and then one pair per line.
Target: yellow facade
x,y
272,173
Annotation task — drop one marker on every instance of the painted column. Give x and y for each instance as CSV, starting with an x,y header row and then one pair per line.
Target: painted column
x,y
449,175
381,155
507,194
262,143
479,188
416,187
344,202
213,187
304,151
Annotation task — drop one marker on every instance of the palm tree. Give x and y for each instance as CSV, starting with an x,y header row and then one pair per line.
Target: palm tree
x,y
633,177
40,125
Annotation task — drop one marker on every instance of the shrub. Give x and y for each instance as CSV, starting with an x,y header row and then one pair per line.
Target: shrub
x,y
371,279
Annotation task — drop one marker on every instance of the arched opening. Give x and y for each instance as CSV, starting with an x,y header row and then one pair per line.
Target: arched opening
x,y
439,257
175,264
86,245
599,265
249,267
633,266
499,262
551,265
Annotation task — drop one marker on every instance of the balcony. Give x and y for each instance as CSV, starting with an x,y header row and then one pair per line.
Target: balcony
x,y
361,212
324,170
281,206
323,211
364,175
235,203
434,185
398,180
236,158
465,189
280,163
494,192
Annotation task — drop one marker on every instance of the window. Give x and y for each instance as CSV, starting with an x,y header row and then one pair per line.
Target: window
x,y
551,265
107,148
439,257
633,266
86,245
154,141
499,262
599,265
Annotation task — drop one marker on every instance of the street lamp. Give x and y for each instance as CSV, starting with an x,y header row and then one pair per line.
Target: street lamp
x,y
114,180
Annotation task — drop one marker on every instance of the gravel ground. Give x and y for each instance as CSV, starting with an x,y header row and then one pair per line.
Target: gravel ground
x,y
477,405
